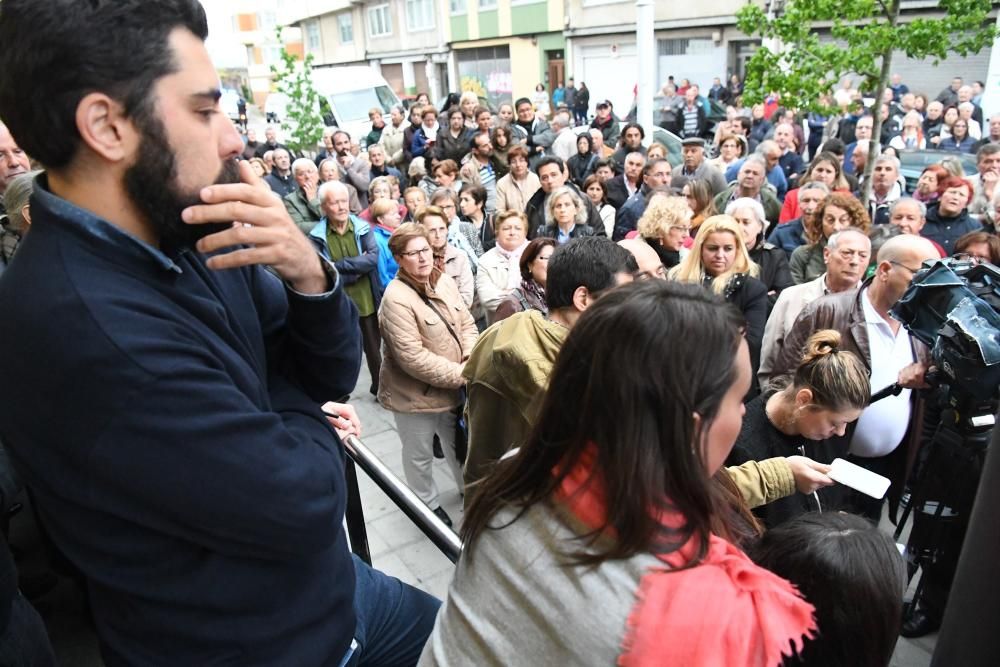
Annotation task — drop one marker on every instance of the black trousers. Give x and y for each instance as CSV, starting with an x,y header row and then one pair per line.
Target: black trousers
x,y
371,342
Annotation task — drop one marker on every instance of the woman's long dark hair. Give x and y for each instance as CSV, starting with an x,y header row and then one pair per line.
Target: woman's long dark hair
x,y
626,382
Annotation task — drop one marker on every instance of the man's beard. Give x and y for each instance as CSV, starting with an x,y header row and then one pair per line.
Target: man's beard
x,y
151,184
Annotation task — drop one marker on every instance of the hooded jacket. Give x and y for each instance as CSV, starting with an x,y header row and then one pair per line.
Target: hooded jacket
x,y
506,374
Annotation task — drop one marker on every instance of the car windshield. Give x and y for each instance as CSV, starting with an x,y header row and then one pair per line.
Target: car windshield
x,y
917,160
354,105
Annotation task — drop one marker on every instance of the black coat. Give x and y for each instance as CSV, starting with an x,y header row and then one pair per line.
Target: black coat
x,y
945,231
581,166
774,270
552,231
749,295
618,193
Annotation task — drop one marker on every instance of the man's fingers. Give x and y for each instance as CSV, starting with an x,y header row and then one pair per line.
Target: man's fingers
x,y
239,258
226,211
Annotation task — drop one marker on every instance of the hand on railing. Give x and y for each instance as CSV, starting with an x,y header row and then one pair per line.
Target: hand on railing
x,y
343,418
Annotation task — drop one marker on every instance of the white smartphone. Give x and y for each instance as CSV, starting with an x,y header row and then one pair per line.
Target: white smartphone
x,y
858,478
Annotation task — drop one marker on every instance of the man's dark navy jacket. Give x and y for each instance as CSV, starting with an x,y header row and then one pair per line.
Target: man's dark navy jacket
x,y
167,418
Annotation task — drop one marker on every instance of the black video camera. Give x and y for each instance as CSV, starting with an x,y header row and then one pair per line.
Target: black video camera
x,y
953,307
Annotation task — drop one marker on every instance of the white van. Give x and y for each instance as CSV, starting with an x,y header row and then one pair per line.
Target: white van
x,y
348,93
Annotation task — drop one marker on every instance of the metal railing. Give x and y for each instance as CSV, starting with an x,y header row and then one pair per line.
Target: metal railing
x,y
443,537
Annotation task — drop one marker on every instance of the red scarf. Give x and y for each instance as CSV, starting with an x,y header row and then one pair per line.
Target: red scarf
x,y
725,611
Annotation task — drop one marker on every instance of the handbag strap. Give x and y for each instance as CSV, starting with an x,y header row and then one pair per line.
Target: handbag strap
x,y
430,304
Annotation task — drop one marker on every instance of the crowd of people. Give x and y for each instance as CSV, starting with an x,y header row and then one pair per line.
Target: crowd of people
x,y
637,371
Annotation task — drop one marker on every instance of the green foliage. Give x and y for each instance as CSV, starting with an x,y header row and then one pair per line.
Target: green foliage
x,y
865,34
246,92
302,119
802,69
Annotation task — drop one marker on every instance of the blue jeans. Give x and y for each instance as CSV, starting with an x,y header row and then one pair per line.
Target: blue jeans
x,y
394,620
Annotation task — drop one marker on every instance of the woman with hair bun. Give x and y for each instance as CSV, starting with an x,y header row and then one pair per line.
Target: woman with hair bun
x,y
827,391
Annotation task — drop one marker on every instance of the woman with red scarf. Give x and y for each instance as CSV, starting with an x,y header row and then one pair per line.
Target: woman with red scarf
x,y
608,538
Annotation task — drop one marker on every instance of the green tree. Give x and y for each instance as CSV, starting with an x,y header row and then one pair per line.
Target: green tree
x,y
293,78
865,35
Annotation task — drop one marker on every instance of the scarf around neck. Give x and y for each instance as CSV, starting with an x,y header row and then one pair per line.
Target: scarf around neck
x,y
513,258
724,611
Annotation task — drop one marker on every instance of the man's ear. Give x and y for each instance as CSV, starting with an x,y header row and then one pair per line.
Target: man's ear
x,y
582,298
104,127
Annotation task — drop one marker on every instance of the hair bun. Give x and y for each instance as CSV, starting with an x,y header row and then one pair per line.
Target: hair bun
x,y
820,344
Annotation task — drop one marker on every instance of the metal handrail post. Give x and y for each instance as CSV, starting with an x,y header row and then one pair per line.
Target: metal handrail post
x,y
354,515
443,537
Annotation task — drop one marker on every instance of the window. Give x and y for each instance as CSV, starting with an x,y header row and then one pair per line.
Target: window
x,y
457,6
313,40
419,14
379,21
486,70
267,20
345,23
487,4
272,55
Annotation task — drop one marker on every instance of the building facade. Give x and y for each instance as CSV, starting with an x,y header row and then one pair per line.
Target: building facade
x,y
502,49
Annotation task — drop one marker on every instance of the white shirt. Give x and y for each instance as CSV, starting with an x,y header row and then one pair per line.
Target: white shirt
x,y
883,424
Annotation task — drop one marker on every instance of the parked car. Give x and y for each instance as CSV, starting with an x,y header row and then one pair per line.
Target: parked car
x,y
912,163
348,93
275,106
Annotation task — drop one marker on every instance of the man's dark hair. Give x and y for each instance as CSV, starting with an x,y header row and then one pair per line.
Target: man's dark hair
x,y
629,126
477,192
333,137
520,101
746,124
649,166
835,146
58,51
605,162
550,159
589,261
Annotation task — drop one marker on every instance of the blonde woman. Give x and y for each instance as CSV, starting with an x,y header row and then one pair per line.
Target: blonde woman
x,y
665,226
719,260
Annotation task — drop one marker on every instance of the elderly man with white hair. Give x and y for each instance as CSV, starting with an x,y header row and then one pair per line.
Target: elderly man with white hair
x,y
564,145
303,203
846,257
348,242
18,218
13,160
597,145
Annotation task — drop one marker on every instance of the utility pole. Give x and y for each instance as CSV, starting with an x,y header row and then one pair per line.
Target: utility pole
x,y
646,52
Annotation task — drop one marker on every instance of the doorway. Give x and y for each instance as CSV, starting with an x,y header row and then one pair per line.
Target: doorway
x,y
555,72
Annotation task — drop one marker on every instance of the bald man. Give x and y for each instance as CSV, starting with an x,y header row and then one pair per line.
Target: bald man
x,y
13,162
889,353
649,262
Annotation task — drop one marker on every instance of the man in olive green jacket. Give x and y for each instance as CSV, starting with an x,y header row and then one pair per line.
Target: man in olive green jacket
x,y
509,367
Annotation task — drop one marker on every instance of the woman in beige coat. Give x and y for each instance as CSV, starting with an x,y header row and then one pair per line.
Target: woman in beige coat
x,y
427,335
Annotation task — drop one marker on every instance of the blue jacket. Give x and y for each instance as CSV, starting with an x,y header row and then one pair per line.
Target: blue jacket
x,y
352,268
788,236
166,417
387,266
945,231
